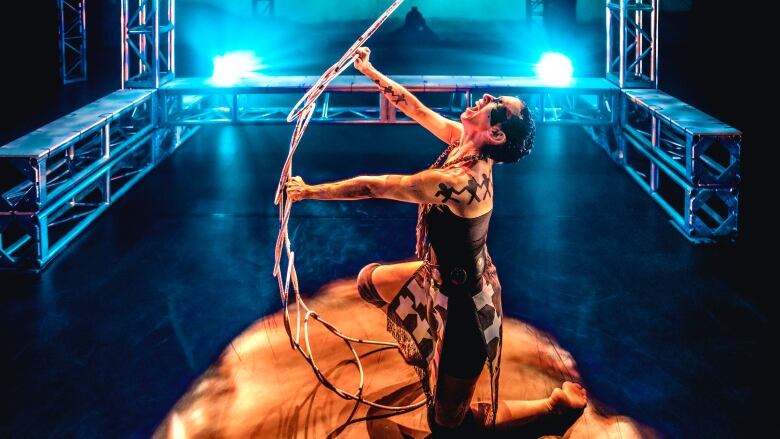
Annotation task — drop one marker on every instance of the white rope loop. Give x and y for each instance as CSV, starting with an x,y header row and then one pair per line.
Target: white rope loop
x,y
302,113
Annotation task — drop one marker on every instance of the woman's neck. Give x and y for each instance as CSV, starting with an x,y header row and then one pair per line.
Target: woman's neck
x,y
466,147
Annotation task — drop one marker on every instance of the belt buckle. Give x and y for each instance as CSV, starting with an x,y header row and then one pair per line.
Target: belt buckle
x,y
458,276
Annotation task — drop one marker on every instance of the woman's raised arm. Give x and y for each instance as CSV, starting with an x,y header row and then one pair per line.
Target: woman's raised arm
x,y
445,129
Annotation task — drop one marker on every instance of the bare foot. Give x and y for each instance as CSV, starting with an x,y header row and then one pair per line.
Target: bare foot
x,y
569,397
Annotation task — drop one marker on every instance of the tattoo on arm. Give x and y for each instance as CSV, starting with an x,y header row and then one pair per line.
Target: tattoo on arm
x,y
448,193
396,96
356,188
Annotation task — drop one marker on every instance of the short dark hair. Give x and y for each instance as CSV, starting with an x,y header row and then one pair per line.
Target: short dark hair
x,y
520,133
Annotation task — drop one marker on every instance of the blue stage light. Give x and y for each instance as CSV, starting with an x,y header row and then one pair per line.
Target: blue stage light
x,y
555,69
234,66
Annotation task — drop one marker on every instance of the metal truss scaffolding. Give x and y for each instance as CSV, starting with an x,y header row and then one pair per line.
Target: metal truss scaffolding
x,y
632,43
686,160
61,177
73,40
148,52
355,99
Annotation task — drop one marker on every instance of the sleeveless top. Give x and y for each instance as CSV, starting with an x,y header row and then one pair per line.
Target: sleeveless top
x,y
458,245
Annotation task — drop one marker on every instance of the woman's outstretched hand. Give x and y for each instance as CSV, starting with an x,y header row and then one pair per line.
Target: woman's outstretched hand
x,y
296,189
362,64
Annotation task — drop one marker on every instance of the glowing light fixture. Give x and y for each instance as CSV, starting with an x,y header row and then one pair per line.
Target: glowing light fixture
x,y
234,66
555,69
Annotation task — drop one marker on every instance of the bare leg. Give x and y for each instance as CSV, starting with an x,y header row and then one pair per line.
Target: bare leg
x,y
389,278
569,398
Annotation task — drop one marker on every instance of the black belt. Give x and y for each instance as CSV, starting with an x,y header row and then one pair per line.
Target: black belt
x,y
456,275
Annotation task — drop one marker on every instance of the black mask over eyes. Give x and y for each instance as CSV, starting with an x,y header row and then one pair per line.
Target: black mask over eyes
x,y
499,114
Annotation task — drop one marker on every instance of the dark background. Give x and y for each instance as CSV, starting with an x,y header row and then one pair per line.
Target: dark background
x,y
708,58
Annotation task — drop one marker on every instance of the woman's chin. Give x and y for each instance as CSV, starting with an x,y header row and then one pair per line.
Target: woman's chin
x,y
466,118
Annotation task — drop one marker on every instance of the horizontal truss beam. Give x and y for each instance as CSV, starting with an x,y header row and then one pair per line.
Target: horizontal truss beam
x,y
587,102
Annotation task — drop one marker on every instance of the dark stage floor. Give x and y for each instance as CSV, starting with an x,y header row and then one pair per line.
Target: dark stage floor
x,y
106,340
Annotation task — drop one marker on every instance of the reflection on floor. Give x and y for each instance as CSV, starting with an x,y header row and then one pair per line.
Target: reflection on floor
x,y
260,387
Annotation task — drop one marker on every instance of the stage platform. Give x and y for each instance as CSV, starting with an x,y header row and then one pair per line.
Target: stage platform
x,y
112,336
259,387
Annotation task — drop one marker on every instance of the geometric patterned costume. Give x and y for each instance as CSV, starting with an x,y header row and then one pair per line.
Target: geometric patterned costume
x,y
417,316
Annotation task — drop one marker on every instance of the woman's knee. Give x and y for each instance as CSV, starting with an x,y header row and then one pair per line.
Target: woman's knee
x,y
366,287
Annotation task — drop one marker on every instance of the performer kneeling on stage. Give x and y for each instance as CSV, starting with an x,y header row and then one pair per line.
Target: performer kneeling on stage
x,y
445,308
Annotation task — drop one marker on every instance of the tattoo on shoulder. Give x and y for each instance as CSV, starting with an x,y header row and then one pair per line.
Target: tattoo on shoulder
x,y
449,193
